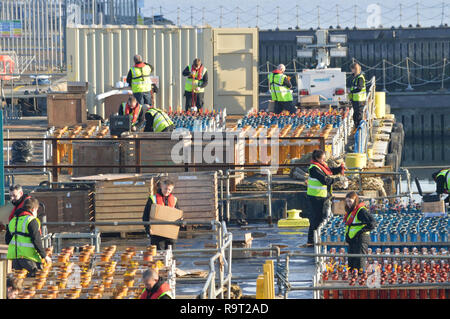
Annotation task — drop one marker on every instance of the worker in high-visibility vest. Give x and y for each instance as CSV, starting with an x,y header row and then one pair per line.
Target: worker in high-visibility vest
x,y
358,224
357,93
281,90
442,180
319,190
139,79
194,88
163,197
157,120
135,111
23,237
155,286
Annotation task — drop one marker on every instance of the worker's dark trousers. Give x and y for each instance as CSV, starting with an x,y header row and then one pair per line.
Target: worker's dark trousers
x,y
316,215
358,111
162,243
143,98
198,100
358,245
285,105
27,264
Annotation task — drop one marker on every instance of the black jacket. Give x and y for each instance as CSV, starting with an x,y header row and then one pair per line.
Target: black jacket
x,y
187,72
155,289
316,173
365,217
141,117
440,184
33,230
148,207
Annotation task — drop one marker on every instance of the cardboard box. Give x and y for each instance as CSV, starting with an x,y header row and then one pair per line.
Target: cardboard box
x,y
164,213
338,207
310,100
431,209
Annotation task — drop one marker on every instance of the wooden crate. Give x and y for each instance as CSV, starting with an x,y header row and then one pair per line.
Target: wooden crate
x,y
66,205
66,109
221,147
122,200
95,153
154,152
197,195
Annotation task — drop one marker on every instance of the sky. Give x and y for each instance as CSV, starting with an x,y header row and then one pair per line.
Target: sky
x,y
305,14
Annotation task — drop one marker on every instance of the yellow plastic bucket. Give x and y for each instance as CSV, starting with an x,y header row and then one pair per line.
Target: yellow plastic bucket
x,y
356,160
380,104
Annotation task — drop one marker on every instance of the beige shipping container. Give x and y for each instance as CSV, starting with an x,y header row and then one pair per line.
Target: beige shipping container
x,y
103,55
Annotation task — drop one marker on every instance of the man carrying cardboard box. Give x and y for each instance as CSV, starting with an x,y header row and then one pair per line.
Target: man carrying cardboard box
x,y
163,197
442,180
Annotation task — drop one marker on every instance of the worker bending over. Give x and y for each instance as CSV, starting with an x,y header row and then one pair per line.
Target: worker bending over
x,y
23,237
280,88
320,190
139,80
442,180
357,93
155,287
135,111
157,120
196,81
358,224
163,197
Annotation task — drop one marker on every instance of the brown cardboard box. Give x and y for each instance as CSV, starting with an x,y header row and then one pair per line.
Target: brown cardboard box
x,y
159,212
433,207
338,207
310,100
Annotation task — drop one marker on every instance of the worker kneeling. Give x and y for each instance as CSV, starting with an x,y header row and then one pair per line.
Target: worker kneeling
x,y
163,197
157,120
155,287
358,224
23,237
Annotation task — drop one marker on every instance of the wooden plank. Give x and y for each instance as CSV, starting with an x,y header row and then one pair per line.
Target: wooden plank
x,y
119,209
109,203
118,229
118,196
137,216
123,190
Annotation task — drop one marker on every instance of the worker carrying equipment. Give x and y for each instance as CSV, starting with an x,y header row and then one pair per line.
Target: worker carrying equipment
x,y
358,224
163,197
196,81
357,93
155,287
280,89
157,120
442,180
319,190
23,237
135,111
138,78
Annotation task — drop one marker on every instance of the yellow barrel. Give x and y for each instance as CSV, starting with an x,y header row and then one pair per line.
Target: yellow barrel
x,y
356,160
380,104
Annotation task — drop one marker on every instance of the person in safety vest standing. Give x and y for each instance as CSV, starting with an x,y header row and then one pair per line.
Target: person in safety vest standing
x,y
17,198
280,89
23,237
358,224
163,197
157,120
136,112
139,80
155,287
357,93
442,180
319,190
196,81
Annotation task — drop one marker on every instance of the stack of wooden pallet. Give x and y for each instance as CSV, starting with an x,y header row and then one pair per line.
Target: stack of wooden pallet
x,y
197,195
